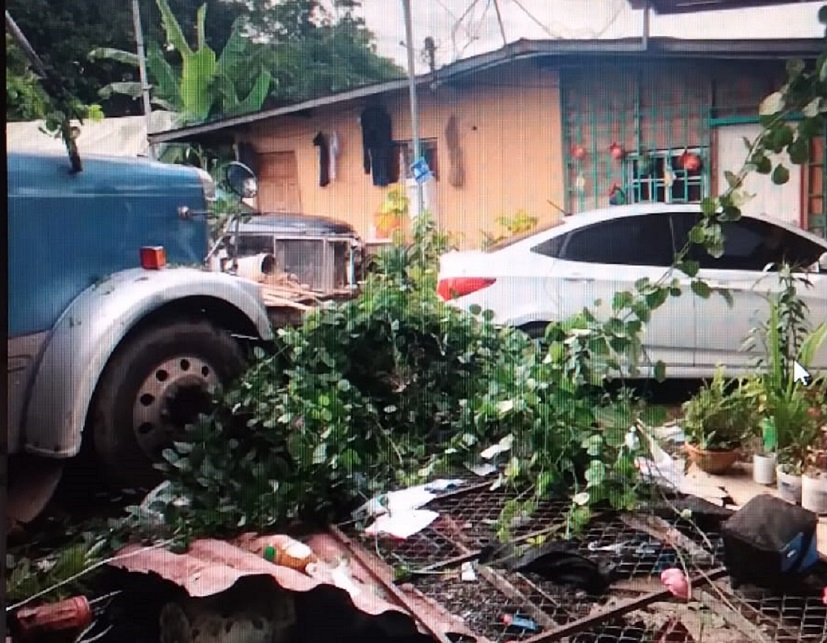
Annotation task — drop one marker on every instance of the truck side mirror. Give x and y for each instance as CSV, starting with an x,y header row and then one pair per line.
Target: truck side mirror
x,y
242,180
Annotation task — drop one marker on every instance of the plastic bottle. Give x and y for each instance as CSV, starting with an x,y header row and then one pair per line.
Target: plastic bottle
x,y
287,552
520,623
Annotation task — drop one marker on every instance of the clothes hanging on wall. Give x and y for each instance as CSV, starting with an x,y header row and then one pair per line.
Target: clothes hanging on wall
x,y
334,153
324,159
456,175
377,143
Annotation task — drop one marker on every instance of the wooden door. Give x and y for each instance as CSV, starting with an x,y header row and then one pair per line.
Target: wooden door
x,y
279,183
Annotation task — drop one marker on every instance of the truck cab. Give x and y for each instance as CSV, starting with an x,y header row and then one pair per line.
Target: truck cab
x,y
116,334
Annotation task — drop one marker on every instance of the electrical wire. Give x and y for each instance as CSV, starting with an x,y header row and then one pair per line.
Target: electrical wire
x,y
476,35
535,20
458,23
500,21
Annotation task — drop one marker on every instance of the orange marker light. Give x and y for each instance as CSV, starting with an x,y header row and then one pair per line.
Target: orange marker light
x,y
153,257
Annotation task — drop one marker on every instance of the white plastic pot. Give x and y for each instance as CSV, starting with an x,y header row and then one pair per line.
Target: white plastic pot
x,y
763,468
789,486
814,493
256,267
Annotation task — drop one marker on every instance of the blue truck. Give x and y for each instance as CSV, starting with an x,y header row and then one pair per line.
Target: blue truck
x,y
116,332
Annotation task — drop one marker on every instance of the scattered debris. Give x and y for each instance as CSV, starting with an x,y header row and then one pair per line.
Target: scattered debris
x,y
676,582
519,622
482,470
553,561
402,525
467,573
398,513
503,446
76,614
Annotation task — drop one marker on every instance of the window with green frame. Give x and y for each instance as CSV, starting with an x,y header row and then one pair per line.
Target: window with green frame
x,y
658,176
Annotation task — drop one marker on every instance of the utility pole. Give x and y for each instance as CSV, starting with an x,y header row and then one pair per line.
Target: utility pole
x,y
139,41
409,44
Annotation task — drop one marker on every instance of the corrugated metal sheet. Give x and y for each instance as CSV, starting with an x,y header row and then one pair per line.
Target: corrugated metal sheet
x,y
126,136
212,566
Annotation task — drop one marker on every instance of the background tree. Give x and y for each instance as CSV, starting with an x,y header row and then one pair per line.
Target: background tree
x,y
25,98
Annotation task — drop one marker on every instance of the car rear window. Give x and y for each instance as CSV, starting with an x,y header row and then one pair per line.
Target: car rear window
x,y
524,235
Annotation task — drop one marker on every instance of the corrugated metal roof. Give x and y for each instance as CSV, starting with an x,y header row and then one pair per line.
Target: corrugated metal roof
x,y
523,50
212,566
671,7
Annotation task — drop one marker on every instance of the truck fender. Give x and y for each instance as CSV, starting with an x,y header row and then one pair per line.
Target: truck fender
x,y
92,327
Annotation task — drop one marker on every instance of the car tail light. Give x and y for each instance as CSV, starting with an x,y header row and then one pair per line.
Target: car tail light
x,y
153,257
461,286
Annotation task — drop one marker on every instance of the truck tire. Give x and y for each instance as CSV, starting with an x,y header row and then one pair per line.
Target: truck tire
x,y
154,385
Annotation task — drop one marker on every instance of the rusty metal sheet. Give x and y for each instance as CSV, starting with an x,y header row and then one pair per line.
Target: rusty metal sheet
x,y
212,566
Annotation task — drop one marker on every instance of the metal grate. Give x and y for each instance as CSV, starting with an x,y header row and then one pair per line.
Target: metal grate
x,y
623,631
479,604
791,618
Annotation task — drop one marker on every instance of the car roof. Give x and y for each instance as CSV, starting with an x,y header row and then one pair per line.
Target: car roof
x,y
294,223
582,219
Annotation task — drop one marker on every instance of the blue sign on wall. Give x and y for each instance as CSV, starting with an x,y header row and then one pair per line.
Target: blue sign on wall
x,y
420,170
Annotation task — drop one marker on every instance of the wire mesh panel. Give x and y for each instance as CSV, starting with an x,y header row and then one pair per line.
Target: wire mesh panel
x,y
782,618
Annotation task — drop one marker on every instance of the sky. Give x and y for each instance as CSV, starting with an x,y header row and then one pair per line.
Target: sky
x,y
479,30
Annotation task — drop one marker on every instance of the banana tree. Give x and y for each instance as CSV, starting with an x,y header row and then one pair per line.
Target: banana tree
x,y
205,85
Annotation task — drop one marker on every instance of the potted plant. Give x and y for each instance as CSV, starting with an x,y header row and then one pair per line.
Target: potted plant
x,y
814,480
765,460
392,213
715,422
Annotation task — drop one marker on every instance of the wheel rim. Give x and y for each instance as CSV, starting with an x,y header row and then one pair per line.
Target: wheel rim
x,y
171,397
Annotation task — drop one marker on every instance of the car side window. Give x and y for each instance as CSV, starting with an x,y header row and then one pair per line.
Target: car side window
x,y
750,244
552,248
644,240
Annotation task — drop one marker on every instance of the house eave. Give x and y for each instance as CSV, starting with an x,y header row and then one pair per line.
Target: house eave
x,y
677,7
555,51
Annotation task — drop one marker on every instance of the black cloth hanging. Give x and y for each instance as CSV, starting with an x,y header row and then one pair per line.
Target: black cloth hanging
x,y
377,144
324,159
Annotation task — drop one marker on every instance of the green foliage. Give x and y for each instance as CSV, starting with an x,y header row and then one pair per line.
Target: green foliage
x,y
25,98
386,388
206,83
29,575
719,417
318,55
792,409
520,223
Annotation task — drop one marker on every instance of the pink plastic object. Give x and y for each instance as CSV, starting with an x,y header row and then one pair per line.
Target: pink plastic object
x,y
676,582
824,596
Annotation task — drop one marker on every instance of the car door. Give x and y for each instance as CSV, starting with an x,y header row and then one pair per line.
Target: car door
x,y
752,247
598,260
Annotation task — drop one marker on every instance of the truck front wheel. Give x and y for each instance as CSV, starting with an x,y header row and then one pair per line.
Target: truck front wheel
x,y
155,385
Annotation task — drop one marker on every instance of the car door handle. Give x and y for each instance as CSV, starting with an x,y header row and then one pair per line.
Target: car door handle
x,y
579,278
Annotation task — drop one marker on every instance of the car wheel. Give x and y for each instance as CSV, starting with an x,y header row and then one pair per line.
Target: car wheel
x,y
155,385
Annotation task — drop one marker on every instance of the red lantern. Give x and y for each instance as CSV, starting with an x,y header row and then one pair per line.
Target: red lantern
x,y
616,150
578,152
690,162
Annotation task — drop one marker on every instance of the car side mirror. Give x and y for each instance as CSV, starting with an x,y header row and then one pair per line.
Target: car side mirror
x,y
242,180
822,263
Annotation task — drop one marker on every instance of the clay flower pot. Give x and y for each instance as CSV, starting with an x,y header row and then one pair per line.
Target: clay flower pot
x,y
711,461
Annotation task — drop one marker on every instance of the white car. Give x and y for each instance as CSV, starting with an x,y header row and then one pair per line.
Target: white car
x,y
553,274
